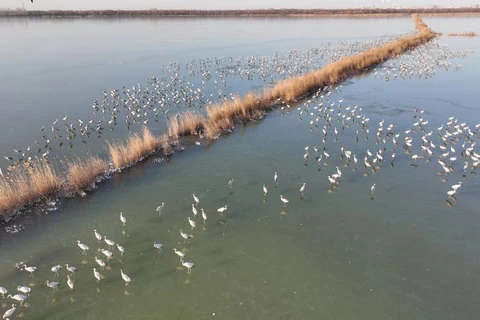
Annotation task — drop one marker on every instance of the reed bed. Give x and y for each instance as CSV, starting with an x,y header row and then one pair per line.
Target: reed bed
x,y
186,124
83,173
134,149
462,34
27,185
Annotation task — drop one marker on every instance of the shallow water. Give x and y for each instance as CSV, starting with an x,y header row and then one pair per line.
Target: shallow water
x,y
337,254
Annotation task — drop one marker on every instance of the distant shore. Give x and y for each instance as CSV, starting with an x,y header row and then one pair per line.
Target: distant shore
x,y
360,12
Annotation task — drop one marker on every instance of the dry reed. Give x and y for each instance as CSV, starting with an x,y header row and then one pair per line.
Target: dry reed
x,y
82,173
22,187
462,34
185,124
135,148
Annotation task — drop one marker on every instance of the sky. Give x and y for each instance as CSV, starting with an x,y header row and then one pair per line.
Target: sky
x,y
222,4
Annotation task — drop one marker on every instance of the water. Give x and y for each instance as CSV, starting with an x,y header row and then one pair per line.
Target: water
x,y
333,254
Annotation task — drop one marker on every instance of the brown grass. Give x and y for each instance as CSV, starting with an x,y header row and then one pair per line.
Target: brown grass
x,y
22,187
462,34
164,144
134,149
82,173
185,124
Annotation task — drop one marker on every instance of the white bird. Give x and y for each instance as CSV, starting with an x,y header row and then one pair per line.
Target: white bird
x,y
372,188
275,178
52,284
125,277
24,289
123,219
456,186
97,235
284,200
204,216
302,189
192,223
107,253
185,236
3,291
451,192
55,269
159,246
9,312
109,242
69,282
82,246
189,266
195,198
222,209
30,269
265,191
19,297
230,183
194,210
121,249
159,208
181,254
72,269
101,263
97,275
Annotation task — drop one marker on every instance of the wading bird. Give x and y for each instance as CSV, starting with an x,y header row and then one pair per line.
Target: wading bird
x,y
189,266
82,246
8,314
123,219
52,284
97,275
29,269
158,246
69,282
125,277
284,200
72,269
181,254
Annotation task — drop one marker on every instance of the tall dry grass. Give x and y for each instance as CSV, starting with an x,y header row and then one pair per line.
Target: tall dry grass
x,y
462,34
27,185
186,124
82,173
136,147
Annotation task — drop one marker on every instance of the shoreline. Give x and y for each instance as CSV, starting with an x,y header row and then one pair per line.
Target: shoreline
x,y
154,13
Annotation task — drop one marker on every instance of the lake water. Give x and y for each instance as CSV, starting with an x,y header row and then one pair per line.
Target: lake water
x,y
334,253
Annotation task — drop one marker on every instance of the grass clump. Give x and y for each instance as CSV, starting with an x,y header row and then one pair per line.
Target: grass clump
x,y
135,148
82,173
22,187
186,124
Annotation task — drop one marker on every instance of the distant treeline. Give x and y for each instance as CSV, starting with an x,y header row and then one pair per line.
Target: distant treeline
x,y
230,13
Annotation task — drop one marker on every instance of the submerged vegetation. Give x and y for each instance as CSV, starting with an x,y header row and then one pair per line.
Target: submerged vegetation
x,y
38,180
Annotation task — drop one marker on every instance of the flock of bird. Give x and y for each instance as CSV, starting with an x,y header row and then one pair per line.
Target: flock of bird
x,y
448,145
198,83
